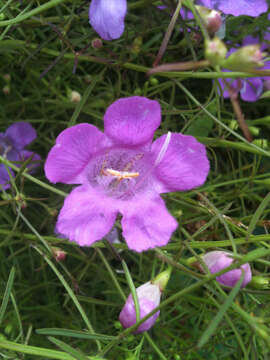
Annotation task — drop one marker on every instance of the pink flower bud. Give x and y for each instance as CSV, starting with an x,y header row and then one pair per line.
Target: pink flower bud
x,y
59,254
149,298
219,260
212,18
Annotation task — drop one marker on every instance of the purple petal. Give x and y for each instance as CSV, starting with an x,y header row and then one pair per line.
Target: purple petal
x,y
35,159
184,166
85,217
147,224
252,89
4,177
132,121
127,316
21,134
73,149
239,7
219,260
235,84
107,17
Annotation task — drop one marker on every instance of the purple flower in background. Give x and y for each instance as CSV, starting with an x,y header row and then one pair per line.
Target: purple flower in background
x,y
237,7
12,144
219,260
148,298
250,89
107,17
122,171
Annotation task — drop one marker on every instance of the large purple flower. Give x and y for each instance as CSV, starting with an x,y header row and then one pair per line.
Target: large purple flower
x,y
122,171
237,7
107,17
12,144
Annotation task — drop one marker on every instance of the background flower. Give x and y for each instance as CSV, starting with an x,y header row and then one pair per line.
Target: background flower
x,y
107,17
12,144
236,8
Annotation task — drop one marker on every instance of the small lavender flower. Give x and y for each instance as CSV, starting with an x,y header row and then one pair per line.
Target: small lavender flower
x,y
107,17
149,298
12,144
122,171
219,260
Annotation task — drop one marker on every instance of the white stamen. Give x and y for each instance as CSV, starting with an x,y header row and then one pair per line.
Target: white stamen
x,y
163,149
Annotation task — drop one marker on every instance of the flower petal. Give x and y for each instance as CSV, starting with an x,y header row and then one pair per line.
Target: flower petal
x,y
107,17
239,7
184,166
21,134
35,159
252,89
4,177
127,316
132,121
72,151
147,224
85,217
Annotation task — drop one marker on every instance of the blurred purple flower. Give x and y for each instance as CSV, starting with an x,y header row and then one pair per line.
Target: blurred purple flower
x,y
219,260
149,298
250,89
237,7
12,144
107,17
122,171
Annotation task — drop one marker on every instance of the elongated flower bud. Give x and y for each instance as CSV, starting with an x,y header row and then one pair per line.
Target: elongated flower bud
x,y
149,298
219,260
246,58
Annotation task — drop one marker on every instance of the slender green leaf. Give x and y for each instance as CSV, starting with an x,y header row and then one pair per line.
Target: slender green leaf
x,y
7,294
222,311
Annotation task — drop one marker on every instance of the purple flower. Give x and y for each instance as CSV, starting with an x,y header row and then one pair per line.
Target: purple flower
x,y
122,171
12,144
107,17
237,7
149,298
219,260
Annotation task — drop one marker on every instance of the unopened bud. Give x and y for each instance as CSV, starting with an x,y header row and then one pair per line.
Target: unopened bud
x,y
148,298
259,282
7,77
162,279
6,90
75,97
215,51
211,18
246,58
263,143
254,130
59,254
219,260
137,45
233,125
97,43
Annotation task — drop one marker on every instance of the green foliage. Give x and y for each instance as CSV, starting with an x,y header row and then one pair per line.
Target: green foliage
x,y
69,310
